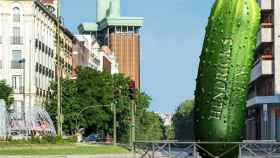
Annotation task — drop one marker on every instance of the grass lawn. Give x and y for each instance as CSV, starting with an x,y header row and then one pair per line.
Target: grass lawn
x,y
69,149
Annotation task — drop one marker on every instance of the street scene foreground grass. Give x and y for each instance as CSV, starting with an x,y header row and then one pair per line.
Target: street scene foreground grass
x,y
71,149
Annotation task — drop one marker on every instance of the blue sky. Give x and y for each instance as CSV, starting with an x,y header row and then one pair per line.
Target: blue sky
x,y
171,43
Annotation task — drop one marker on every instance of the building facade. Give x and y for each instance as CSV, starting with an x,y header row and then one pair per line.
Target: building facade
x,y
28,53
80,55
166,118
91,44
108,61
263,105
120,34
98,58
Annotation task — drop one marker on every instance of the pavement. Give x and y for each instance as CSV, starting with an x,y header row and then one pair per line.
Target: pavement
x,y
79,156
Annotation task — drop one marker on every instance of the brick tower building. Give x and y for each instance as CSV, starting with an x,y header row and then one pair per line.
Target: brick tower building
x,y
120,34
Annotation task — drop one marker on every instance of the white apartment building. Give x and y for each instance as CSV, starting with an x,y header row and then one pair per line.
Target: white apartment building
x,y
80,55
108,61
91,44
28,53
166,118
263,104
99,58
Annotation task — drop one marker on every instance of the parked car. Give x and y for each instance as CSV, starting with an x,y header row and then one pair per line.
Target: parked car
x,y
93,138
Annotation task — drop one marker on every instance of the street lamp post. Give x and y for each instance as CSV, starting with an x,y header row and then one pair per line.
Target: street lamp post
x,y
59,110
115,124
132,96
23,61
132,123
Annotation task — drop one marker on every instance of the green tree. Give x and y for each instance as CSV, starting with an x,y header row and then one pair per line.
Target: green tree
x,y
91,88
94,88
6,93
170,134
70,104
149,126
183,121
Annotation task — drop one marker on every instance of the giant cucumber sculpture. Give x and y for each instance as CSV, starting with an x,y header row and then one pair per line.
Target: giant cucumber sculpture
x,y
223,74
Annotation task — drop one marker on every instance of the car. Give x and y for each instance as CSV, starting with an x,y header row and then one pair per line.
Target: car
x,y
91,138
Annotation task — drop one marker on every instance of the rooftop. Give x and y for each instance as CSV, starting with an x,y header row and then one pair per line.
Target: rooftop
x,y
88,27
111,21
108,14
121,21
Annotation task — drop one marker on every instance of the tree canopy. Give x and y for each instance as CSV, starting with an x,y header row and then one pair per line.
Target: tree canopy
x,y
183,121
6,93
86,96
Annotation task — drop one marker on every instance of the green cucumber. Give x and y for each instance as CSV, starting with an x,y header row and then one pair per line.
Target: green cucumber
x,y
224,73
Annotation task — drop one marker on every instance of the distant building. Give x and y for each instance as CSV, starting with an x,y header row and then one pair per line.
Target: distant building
x,y
90,43
80,55
98,58
263,104
120,34
108,61
166,118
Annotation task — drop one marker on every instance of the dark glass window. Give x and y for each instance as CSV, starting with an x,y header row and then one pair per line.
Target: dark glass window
x,y
40,45
40,68
43,47
37,67
36,43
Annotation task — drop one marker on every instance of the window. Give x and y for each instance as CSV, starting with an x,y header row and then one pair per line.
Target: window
x,y
16,14
37,67
36,43
40,68
16,31
16,55
43,70
43,47
49,73
40,45
16,58
18,107
49,51
16,39
17,83
52,53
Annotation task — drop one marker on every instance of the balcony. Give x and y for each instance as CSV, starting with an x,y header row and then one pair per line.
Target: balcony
x,y
264,36
19,90
265,4
17,65
262,67
263,100
17,40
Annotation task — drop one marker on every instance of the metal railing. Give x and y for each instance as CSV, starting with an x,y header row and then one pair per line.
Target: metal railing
x,y
173,149
17,65
19,90
17,40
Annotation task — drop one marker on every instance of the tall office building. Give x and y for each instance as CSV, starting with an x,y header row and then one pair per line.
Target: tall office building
x,y
263,105
120,34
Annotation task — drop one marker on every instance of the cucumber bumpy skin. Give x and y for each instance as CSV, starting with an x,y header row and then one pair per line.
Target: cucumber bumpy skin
x,y
224,73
